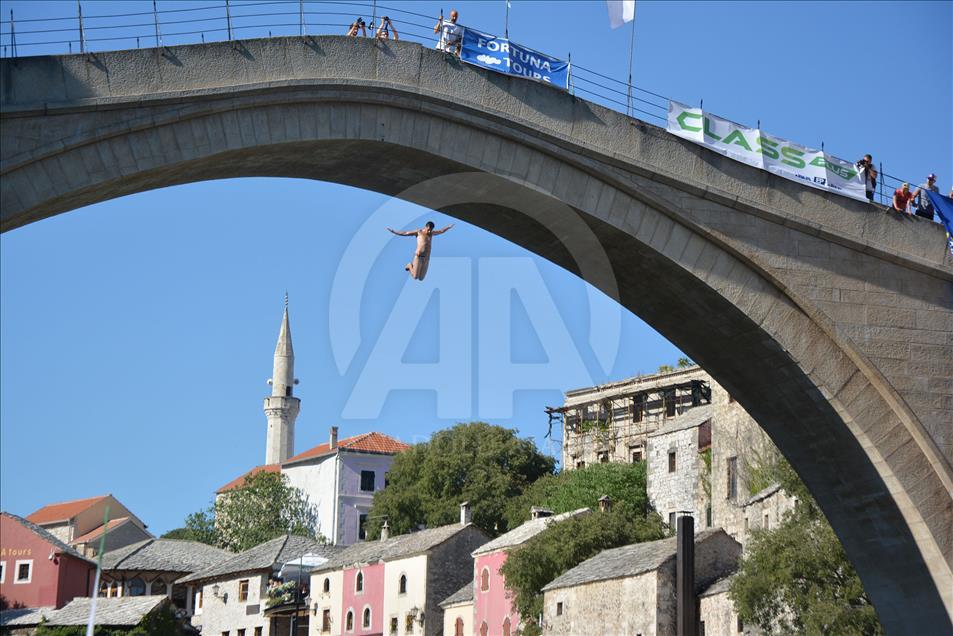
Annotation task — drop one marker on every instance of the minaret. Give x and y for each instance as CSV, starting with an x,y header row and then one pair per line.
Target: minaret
x,y
281,408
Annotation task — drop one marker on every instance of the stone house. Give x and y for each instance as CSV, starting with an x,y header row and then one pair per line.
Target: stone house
x,y
492,604
37,569
394,585
124,613
80,523
458,612
152,567
677,476
716,612
232,596
631,590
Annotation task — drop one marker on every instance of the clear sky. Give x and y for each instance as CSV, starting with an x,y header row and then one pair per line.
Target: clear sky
x,y
137,334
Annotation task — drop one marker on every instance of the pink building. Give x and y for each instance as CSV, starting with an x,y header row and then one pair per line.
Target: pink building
x,y
493,611
362,593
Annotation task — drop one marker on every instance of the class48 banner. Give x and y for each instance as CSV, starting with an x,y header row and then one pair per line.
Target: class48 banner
x,y
767,152
620,12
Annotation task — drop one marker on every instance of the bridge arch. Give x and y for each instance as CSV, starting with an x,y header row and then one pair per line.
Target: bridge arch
x,y
785,295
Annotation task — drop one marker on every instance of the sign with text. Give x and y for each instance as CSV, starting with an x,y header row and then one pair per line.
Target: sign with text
x,y
503,56
756,148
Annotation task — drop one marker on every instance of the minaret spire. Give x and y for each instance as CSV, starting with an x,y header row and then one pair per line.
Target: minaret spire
x,y
282,408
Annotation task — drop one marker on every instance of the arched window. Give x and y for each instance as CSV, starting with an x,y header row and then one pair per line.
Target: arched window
x,y
359,582
485,580
506,626
159,588
402,584
137,587
349,621
484,629
458,627
327,585
104,588
366,619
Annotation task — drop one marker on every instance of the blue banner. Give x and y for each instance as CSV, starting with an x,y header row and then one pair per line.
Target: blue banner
x,y
503,56
943,206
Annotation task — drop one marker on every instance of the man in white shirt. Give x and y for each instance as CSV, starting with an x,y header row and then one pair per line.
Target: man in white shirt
x,y
451,34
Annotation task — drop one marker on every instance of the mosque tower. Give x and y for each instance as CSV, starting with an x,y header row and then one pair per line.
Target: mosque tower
x,y
281,408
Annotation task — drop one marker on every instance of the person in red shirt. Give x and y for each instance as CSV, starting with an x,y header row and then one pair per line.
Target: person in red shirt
x,y
901,199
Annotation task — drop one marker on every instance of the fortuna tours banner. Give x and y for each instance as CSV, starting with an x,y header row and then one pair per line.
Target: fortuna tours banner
x,y
503,56
756,148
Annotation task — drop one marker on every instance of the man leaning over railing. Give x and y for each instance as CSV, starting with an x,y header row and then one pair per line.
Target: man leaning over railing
x,y
451,34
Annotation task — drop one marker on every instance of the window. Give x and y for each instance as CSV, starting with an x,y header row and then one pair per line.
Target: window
x,y
746,524
367,480
362,528
326,620
287,391
732,478
506,626
458,627
258,631
240,632
741,625
671,520
604,457
669,398
484,629
137,587
408,623
327,586
349,621
701,628
638,408
393,624
580,464
159,588
103,588
767,522
243,590
559,608
3,571
225,633
636,455
708,520
24,571
485,580
198,599
671,461
359,582
402,584
366,619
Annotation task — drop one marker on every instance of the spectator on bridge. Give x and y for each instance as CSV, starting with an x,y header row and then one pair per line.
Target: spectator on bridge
x,y
357,25
866,165
902,198
386,28
451,34
922,200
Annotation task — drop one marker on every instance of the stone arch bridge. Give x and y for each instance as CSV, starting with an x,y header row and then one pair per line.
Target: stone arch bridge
x,y
830,321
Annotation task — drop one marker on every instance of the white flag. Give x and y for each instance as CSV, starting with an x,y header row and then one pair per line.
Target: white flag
x,y
620,12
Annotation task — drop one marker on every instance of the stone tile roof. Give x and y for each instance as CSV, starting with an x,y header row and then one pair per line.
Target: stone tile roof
x,y
165,555
47,536
629,560
525,532
238,481
24,617
94,534
463,595
718,587
372,442
695,416
266,556
64,510
398,547
123,611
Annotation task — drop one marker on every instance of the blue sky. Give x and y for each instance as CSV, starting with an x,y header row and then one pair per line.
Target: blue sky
x,y
137,334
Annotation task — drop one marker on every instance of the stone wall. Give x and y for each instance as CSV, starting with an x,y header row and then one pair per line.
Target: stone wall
x,y
218,616
675,491
622,607
449,566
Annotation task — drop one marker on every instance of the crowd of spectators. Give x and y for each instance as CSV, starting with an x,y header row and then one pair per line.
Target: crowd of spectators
x,y
385,29
905,201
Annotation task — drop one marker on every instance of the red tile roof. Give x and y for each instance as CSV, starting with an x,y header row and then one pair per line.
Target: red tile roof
x,y
63,511
372,442
238,481
94,534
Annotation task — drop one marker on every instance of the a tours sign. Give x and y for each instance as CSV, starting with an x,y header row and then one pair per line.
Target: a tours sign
x,y
504,56
756,148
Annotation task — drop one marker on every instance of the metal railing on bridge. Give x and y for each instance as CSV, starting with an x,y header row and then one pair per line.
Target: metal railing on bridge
x,y
227,20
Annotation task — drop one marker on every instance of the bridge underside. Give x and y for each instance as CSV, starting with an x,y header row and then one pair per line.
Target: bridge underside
x,y
801,305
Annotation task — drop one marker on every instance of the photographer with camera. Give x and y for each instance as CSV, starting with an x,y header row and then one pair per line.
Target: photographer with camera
x,y
358,24
385,29
866,166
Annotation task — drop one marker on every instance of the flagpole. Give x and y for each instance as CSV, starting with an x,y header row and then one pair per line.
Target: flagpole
x,y
628,107
506,25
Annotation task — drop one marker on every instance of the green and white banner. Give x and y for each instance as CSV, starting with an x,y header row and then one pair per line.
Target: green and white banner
x,y
755,148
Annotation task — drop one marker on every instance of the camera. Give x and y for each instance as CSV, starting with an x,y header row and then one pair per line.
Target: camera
x,y
360,21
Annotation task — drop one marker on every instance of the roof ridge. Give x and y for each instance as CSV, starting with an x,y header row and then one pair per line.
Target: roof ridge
x,y
144,544
356,438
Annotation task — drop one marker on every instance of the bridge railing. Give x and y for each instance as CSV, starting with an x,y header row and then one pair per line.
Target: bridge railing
x,y
222,20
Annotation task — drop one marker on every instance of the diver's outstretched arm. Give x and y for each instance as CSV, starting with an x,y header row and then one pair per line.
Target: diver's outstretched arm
x,y
441,231
414,233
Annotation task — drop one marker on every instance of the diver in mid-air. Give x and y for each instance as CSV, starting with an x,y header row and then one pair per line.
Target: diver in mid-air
x,y
418,266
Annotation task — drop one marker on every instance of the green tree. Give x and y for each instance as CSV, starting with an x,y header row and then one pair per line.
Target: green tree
x,y
265,506
476,462
565,545
797,578
574,489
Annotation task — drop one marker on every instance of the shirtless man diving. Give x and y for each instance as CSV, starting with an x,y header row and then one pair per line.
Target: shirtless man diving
x,y
418,266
